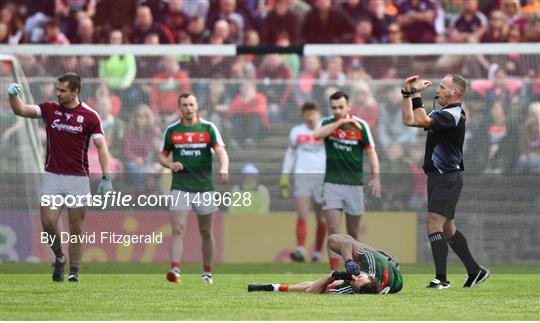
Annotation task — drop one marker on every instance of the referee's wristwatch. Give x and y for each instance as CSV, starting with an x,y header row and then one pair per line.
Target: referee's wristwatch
x,y
407,94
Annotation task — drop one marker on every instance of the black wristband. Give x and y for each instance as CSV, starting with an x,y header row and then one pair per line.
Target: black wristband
x,y
417,103
105,177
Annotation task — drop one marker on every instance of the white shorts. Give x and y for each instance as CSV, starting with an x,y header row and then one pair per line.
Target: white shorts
x,y
309,185
67,185
201,203
349,198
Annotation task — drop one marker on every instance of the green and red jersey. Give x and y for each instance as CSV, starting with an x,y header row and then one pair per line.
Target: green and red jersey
x,y
345,152
191,146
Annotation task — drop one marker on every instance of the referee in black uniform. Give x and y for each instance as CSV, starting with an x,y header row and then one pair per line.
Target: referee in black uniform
x,y
443,164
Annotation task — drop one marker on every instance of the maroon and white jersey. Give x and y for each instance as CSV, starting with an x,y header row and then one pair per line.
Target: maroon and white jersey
x,y
68,135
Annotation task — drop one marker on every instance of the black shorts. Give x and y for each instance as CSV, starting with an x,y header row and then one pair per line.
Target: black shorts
x,y
443,193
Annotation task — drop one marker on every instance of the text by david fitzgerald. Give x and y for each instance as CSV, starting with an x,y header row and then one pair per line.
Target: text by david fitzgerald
x,y
103,237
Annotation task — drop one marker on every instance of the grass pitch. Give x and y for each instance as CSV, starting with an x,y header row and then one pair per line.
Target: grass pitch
x,y
140,292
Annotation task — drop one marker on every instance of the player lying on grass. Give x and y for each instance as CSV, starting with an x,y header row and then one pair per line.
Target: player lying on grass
x,y
368,272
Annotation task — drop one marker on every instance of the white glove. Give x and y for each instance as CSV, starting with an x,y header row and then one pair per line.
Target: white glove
x,y
105,185
14,89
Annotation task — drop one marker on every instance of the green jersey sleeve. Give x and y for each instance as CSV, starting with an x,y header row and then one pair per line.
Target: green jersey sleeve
x,y
166,146
215,136
367,138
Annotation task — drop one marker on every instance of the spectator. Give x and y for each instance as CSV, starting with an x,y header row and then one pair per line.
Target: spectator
x,y
300,8
276,86
307,81
196,8
221,30
353,10
248,115
364,105
141,146
242,69
85,32
259,194
13,24
417,20
529,162
251,38
512,10
499,122
380,20
363,32
469,25
119,72
334,73
53,35
216,104
210,66
175,18
395,179
113,128
196,30
165,88
144,25
280,19
324,24
226,8
497,28
4,33
113,14
418,200
157,7
236,29
390,128
291,60
69,12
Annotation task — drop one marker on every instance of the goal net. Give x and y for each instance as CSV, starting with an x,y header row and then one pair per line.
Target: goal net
x,y
255,99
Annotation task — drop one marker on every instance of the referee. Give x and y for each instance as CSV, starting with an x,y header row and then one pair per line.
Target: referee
x,y
443,164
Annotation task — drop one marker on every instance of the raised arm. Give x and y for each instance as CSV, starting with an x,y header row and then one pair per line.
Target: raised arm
x,y
17,104
326,130
412,115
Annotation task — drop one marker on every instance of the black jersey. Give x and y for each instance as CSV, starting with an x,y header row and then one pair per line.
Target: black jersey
x,y
444,143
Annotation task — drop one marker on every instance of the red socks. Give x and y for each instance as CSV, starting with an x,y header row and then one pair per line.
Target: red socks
x,y
301,232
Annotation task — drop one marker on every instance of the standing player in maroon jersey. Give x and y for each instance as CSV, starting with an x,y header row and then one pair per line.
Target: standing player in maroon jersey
x,y
70,124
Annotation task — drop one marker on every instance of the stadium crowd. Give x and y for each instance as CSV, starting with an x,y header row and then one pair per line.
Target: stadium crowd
x,y
248,96
267,22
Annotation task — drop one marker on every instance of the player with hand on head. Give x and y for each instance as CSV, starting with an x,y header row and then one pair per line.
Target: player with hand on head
x,y
187,151
368,271
306,156
443,164
69,124
346,139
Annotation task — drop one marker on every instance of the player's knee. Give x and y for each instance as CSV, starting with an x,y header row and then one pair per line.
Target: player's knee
x,y
333,229
178,229
206,233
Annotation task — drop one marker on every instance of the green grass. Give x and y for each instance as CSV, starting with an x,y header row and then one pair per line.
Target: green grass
x,y
143,294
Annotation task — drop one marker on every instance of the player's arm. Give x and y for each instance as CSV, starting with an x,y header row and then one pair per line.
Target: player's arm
x,y
18,106
103,155
375,182
326,130
320,286
165,159
223,159
412,112
286,169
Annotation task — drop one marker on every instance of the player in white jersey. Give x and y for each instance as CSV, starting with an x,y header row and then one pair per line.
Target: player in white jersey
x,y
307,157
